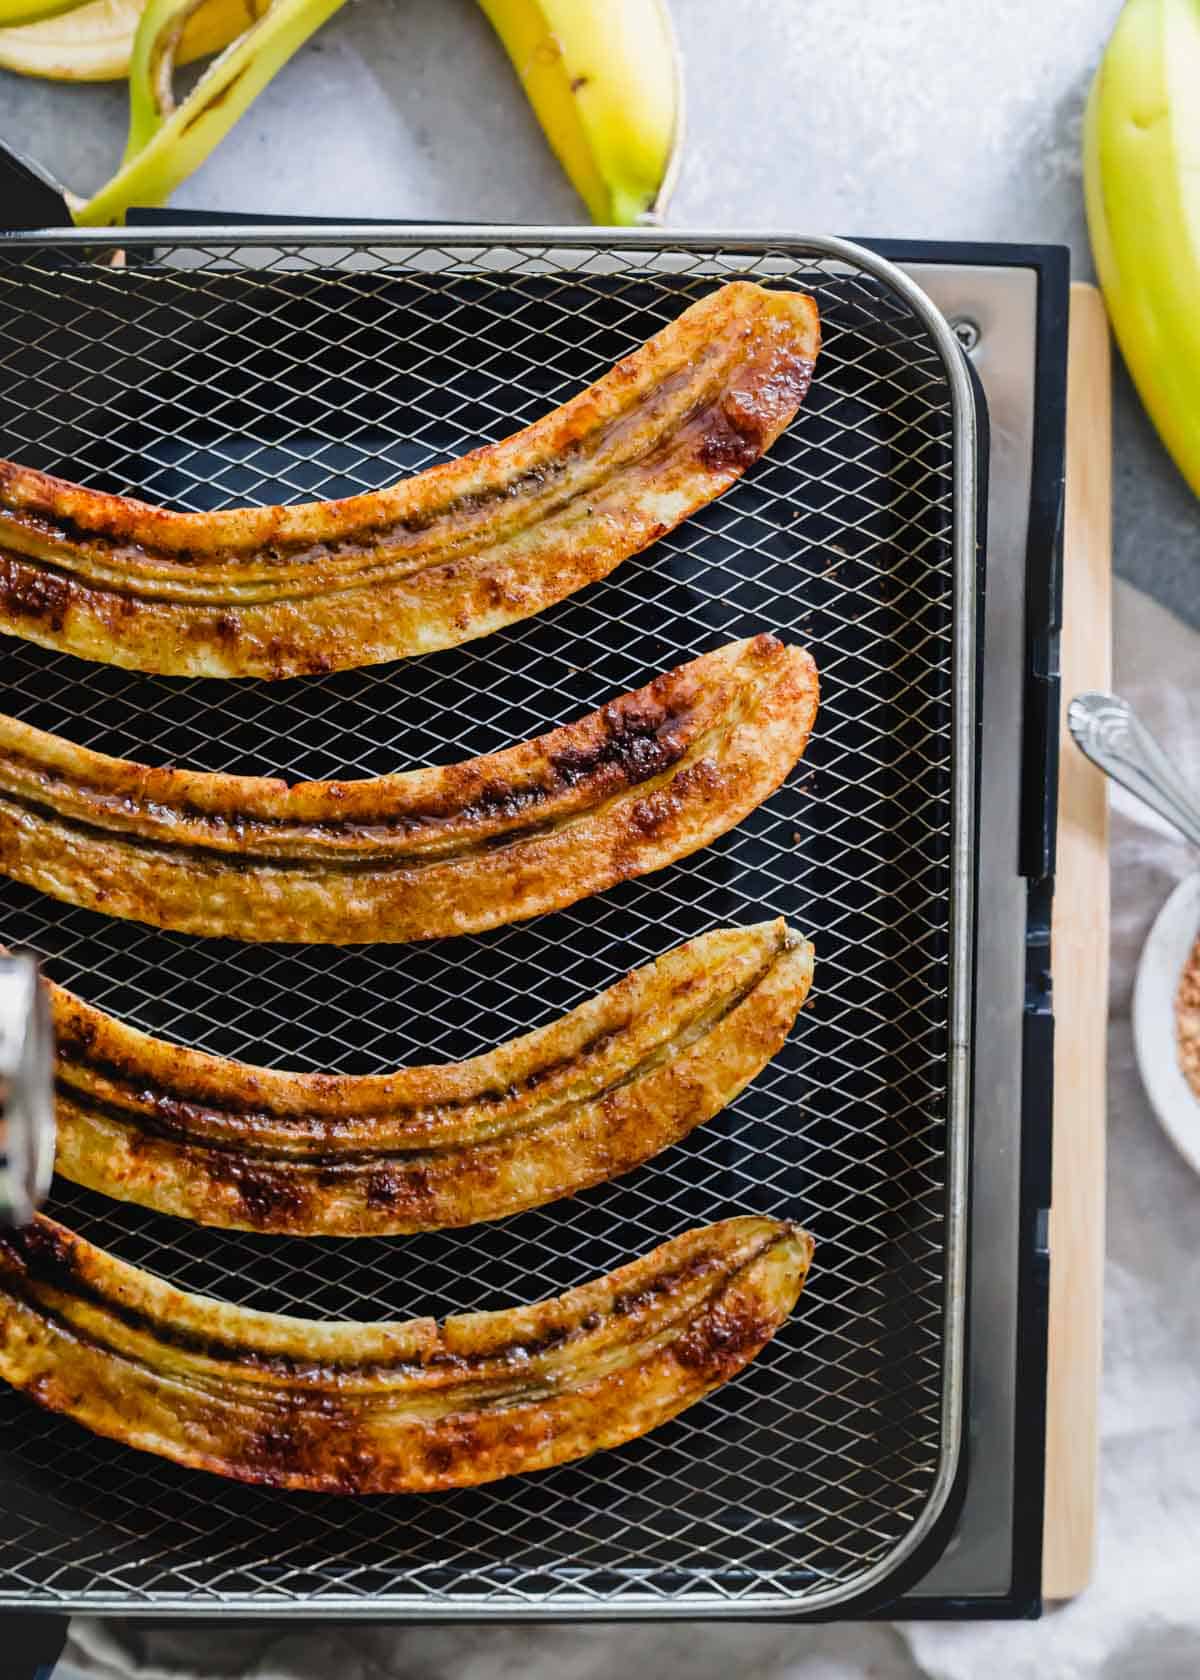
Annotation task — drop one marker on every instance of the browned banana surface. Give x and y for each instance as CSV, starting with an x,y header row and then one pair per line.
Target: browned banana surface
x,y
454,553
575,1103
647,779
389,1408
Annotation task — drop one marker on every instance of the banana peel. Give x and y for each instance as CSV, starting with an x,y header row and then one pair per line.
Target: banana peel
x,y
152,65
16,12
94,41
1142,190
167,142
603,78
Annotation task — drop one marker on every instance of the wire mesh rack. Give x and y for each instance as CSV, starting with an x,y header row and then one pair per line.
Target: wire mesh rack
x,y
280,368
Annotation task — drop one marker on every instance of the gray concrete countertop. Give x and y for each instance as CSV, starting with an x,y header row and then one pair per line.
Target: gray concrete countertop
x,y
913,118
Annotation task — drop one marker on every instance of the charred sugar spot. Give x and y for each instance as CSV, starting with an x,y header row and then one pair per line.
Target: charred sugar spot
x,y
75,1035
736,433
42,595
278,1449
724,1340
268,1197
499,801
383,1189
724,447
637,741
649,817
662,1283
454,1439
391,1187
703,776
47,1252
226,628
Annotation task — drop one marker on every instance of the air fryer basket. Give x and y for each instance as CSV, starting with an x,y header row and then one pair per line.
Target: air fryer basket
x,y
276,366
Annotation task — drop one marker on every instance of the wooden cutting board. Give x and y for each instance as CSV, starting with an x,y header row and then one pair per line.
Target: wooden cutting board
x,y
1080,959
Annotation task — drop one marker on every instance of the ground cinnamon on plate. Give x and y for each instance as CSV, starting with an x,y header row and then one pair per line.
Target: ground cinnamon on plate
x,y
1187,1019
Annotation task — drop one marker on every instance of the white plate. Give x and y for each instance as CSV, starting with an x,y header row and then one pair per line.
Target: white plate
x,y
1163,956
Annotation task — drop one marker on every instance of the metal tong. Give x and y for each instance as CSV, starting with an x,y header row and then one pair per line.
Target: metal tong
x,y
26,1090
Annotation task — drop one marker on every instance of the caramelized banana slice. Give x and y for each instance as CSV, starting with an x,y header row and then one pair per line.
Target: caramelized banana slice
x,y
575,1103
648,779
389,1408
454,553
572,1104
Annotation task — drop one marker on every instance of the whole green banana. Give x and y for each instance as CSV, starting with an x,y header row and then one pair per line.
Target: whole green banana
x,y
1142,186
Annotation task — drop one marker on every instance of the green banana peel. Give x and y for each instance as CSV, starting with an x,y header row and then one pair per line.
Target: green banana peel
x,y
13,13
1142,191
167,142
152,64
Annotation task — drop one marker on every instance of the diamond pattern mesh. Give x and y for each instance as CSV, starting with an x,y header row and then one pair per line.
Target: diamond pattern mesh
x,y
208,376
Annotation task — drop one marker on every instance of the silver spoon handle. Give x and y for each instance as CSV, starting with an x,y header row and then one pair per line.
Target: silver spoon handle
x,y
1107,730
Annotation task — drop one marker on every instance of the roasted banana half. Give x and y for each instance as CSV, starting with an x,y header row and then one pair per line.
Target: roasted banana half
x,y
389,1408
572,1104
648,779
454,553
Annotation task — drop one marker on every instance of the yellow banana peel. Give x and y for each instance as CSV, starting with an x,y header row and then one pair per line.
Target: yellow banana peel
x,y
1142,188
603,79
13,12
94,41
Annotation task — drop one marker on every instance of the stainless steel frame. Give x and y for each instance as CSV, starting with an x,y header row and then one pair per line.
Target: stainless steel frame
x,y
489,250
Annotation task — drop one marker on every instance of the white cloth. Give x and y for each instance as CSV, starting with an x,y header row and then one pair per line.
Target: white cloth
x,y
1141,1618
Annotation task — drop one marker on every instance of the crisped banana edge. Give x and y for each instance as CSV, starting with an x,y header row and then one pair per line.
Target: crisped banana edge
x,y
455,553
649,778
576,1103
390,1408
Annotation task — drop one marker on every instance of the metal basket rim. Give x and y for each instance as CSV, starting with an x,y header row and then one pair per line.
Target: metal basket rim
x,y
475,239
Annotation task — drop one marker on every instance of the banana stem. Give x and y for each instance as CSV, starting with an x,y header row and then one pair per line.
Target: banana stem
x,y
167,142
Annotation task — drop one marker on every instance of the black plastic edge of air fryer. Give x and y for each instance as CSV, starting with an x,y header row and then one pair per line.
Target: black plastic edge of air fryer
x,y
32,1645
1039,818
